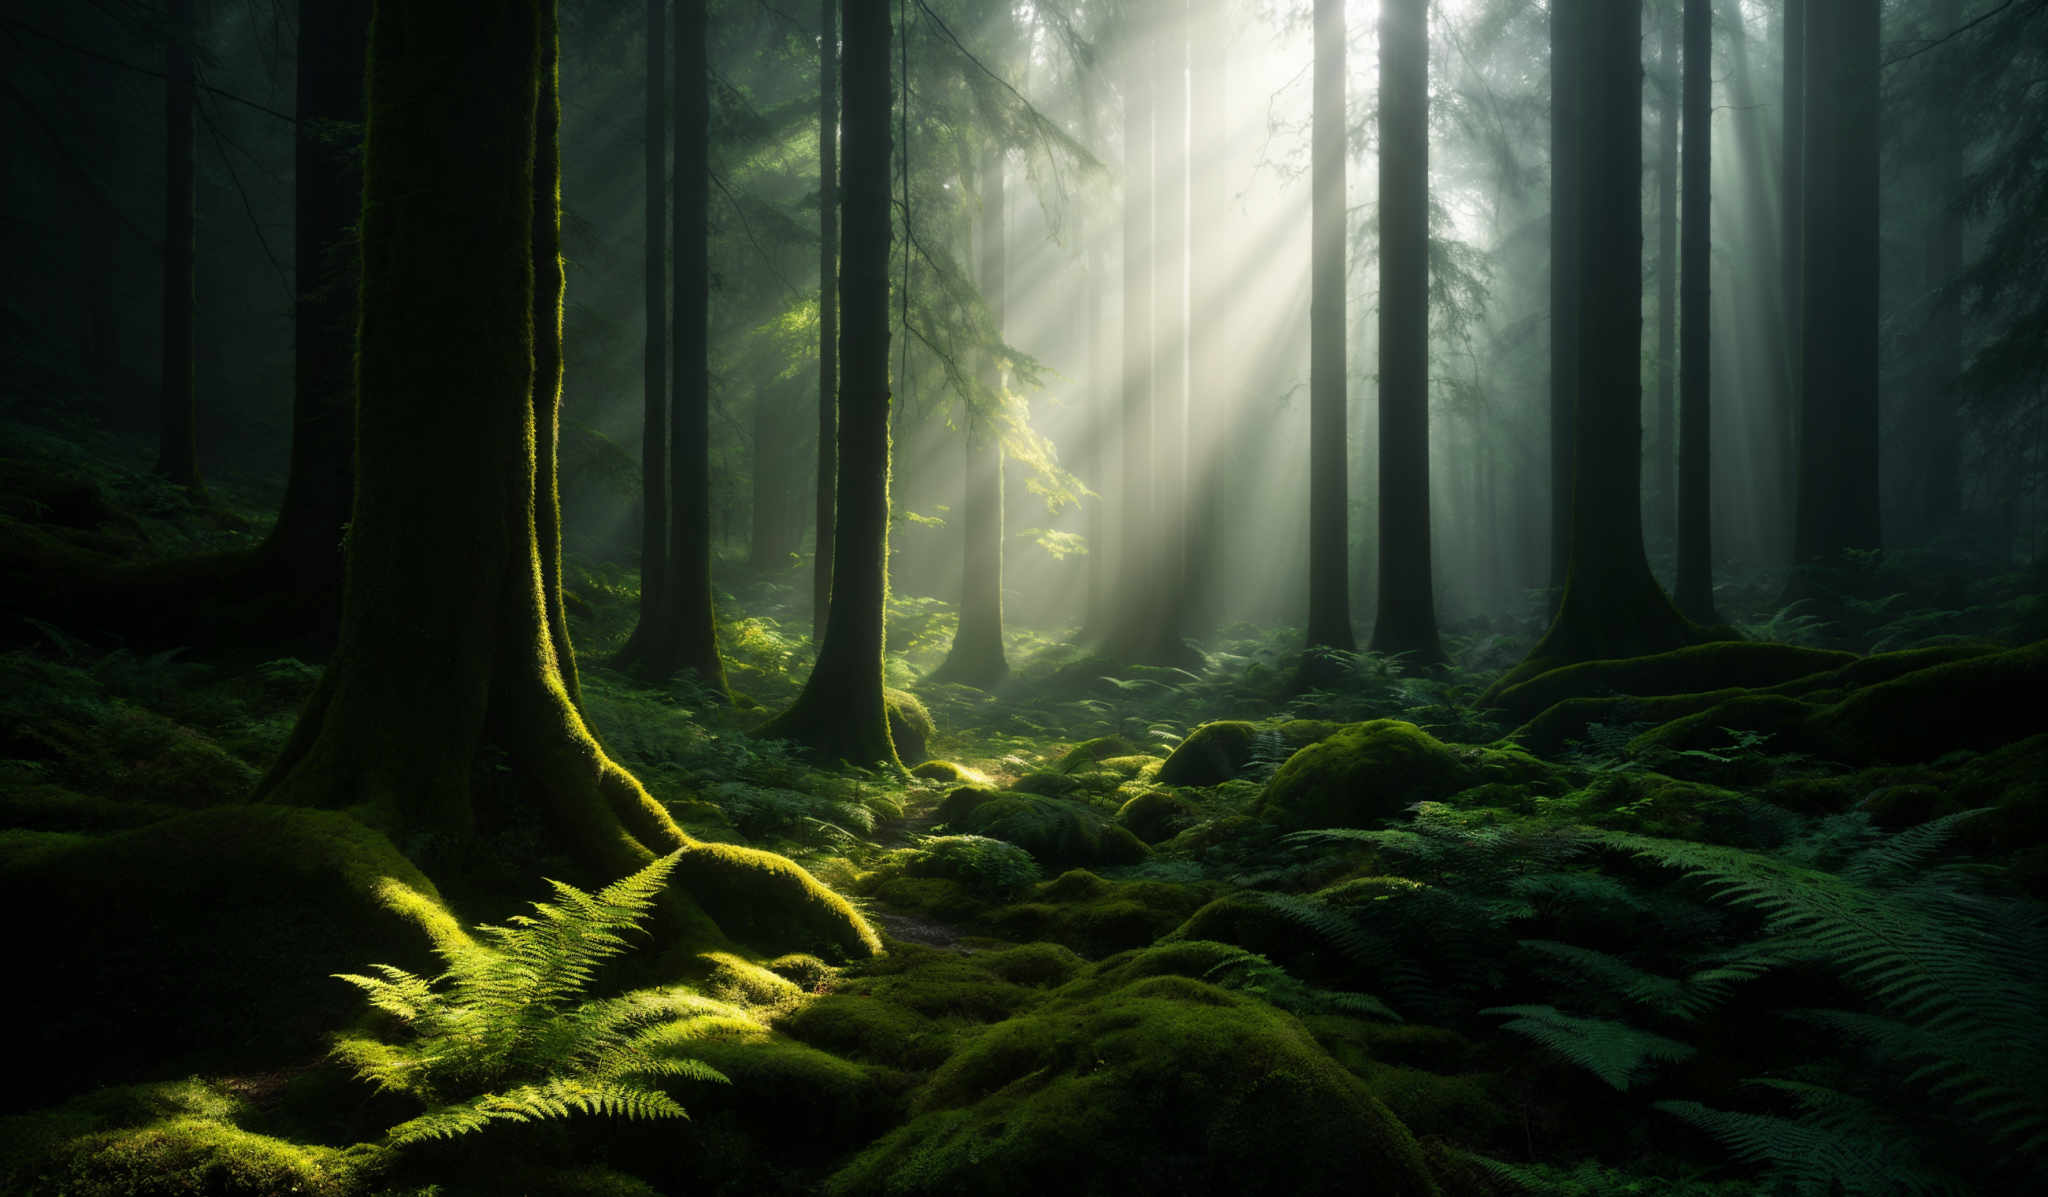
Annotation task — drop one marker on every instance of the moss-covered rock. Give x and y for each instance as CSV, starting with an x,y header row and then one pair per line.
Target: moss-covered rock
x,y
948,772
206,941
1094,915
910,726
1089,752
1165,1085
989,868
770,903
869,1029
1690,670
1046,784
1979,702
1055,831
1033,964
956,805
1156,815
1135,767
1212,753
1372,771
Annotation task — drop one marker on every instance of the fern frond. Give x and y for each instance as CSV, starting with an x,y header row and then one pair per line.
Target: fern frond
x,y
1814,1158
1615,1052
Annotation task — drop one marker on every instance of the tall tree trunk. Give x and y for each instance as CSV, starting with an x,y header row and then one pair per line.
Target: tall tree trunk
x,y
828,311
549,287
654,354
1760,308
328,194
1612,606
178,441
1568,19
1940,426
1838,500
976,657
841,714
1659,485
1209,303
1695,586
693,645
1137,588
1170,422
1406,621
1792,248
1329,579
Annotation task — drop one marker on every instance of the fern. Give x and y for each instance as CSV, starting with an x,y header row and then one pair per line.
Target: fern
x,y
1845,1153
501,1035
1615,1052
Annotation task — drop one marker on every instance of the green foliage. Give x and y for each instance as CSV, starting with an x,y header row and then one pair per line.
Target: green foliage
x,y
990,867
1615,1052
506,1019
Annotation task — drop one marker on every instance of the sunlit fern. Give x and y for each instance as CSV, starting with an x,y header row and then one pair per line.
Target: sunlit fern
x,y
501,1035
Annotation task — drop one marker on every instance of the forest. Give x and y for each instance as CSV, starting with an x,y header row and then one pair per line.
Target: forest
x,y
1025,597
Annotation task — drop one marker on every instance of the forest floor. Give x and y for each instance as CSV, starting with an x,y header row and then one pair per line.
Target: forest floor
x,y
1764,916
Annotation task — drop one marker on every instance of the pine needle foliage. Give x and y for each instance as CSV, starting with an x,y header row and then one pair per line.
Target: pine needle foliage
x,y
502,1036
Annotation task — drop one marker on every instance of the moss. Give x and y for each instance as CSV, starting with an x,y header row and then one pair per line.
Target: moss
x,y
1373,771
943,986
1212,753
947,771
910,726
1979,702
1691,670
207,941
735,979
1245,921
1055,831
940,898
1096,916
1134,767
1046,784
872,1030
805,971
770,902
957,805
53,808
1033,964
1468,1107
1156,815
1553,728
989,868
1089,752
1652,804
1165,1085
1783,718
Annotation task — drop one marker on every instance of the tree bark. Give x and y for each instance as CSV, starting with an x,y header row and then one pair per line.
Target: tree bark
x,y
828,311
1941,497
840,714
1568,19
654,352
1695,584
1792,247
1406,621
178,440
1329,579
1838,499
976,657
1660,483
1612,606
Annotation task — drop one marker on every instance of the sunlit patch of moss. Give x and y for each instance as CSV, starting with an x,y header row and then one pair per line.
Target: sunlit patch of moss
x,y
1055,831
1094,916
732,978
770,902
1089,752
950,773
1373,771
946,987
1137,766
1212,753
1162,1085
910,725
803,970
1156,815
870,1029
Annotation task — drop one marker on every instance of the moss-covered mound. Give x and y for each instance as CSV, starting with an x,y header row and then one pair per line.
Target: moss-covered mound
x,y
769,902
910,726
203,941
1089,752
1057,832
1212,754
1157,815
1716,666
1097,916
1162,1085
945,771
1372,771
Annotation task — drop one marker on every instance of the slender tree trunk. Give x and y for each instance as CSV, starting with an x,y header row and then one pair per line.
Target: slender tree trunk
x,y
1568,19
1838,500
640,649
549,287
828,311
1792,262
840,714
1940,426
1329,579
1209,356
1406,621
1138,592
1612,606
1695,587
976,657
1659,484
328,191
178,442
1170,175
694,642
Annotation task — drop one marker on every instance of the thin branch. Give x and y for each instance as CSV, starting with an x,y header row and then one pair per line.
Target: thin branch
x,y
747,227
248,209
129,66
1927,44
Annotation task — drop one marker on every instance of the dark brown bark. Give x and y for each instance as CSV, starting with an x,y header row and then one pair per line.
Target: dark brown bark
x,y
178,438
1567,34
1694,592
1406,621
1838,500
840,715
1792,247
1612,606
1329,579
828,312
1660,484
654,350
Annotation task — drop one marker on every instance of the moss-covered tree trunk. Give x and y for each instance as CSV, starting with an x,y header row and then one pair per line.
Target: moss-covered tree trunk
x,y
976,657
1567,172
1612,606
828,313
449,638
1329,577
1406,620
654,352
177,440
1694,592
840,715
